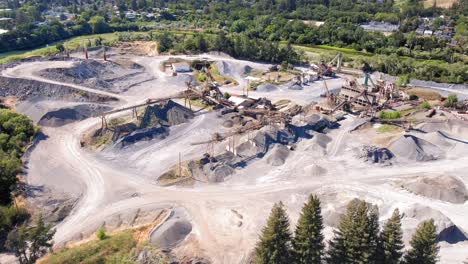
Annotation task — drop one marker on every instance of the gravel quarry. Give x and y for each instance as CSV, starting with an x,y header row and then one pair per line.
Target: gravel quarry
x,y
218,214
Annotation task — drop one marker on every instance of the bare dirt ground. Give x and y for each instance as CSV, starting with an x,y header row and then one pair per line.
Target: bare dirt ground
x,y
118,187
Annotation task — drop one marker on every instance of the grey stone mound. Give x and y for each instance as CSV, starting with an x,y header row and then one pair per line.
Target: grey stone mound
x,y
446,229
144,134
373,154
317,123
247,69
277,155
444,188
65,116
104,76
314,170
248,149
321,140
266,88
223,67
412,148
228,123
218,172
169,114
29,89
171,233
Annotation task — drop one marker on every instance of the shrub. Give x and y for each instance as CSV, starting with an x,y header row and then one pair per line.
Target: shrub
x,y
202,78
390,115
101,234
227,95
426,105
451,100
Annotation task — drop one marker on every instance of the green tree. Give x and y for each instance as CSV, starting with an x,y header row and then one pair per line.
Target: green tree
x,y
29,243
165,42
274,246
424,248
356,239
60,47
391,240
98,24
308,240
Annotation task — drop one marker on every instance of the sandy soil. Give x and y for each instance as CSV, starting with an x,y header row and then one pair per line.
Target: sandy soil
x,y
226,217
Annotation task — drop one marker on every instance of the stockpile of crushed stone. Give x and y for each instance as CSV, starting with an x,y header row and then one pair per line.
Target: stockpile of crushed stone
x,y
446,229
277,155
144,134
68,115
314,170
444,188
412,148
173,231
373,154
31,89
262,139
451,126
267,88
94,74
229,69
213,169
168,114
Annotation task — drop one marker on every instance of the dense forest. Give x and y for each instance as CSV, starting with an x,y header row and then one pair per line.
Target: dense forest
x,y
266,24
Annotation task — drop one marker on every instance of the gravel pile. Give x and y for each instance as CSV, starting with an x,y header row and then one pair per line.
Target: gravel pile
x,y
373,154
446,229
277,155
29,89
314,170
444,188
168,114
65,116
267,88
172,232
97,75
412,148
144,134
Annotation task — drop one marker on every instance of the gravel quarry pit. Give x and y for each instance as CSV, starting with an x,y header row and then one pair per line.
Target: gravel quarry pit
x,y
107,76
113,187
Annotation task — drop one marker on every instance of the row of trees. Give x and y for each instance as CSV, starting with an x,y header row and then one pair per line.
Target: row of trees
x,y
27,242
236,45
358,238
16,131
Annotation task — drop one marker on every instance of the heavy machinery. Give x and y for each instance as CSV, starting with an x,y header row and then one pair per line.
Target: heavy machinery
x,y
326,69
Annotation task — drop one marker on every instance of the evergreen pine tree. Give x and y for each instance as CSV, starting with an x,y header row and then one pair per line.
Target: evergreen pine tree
x,y
308,241
391,238
355,240
424,245
373,232
274,246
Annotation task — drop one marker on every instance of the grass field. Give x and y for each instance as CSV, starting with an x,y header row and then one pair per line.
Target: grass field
x,y
114,249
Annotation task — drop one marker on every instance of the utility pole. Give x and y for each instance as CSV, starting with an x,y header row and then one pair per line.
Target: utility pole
x,y
180,165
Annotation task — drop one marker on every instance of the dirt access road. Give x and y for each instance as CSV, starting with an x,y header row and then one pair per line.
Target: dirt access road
x,y
113,183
